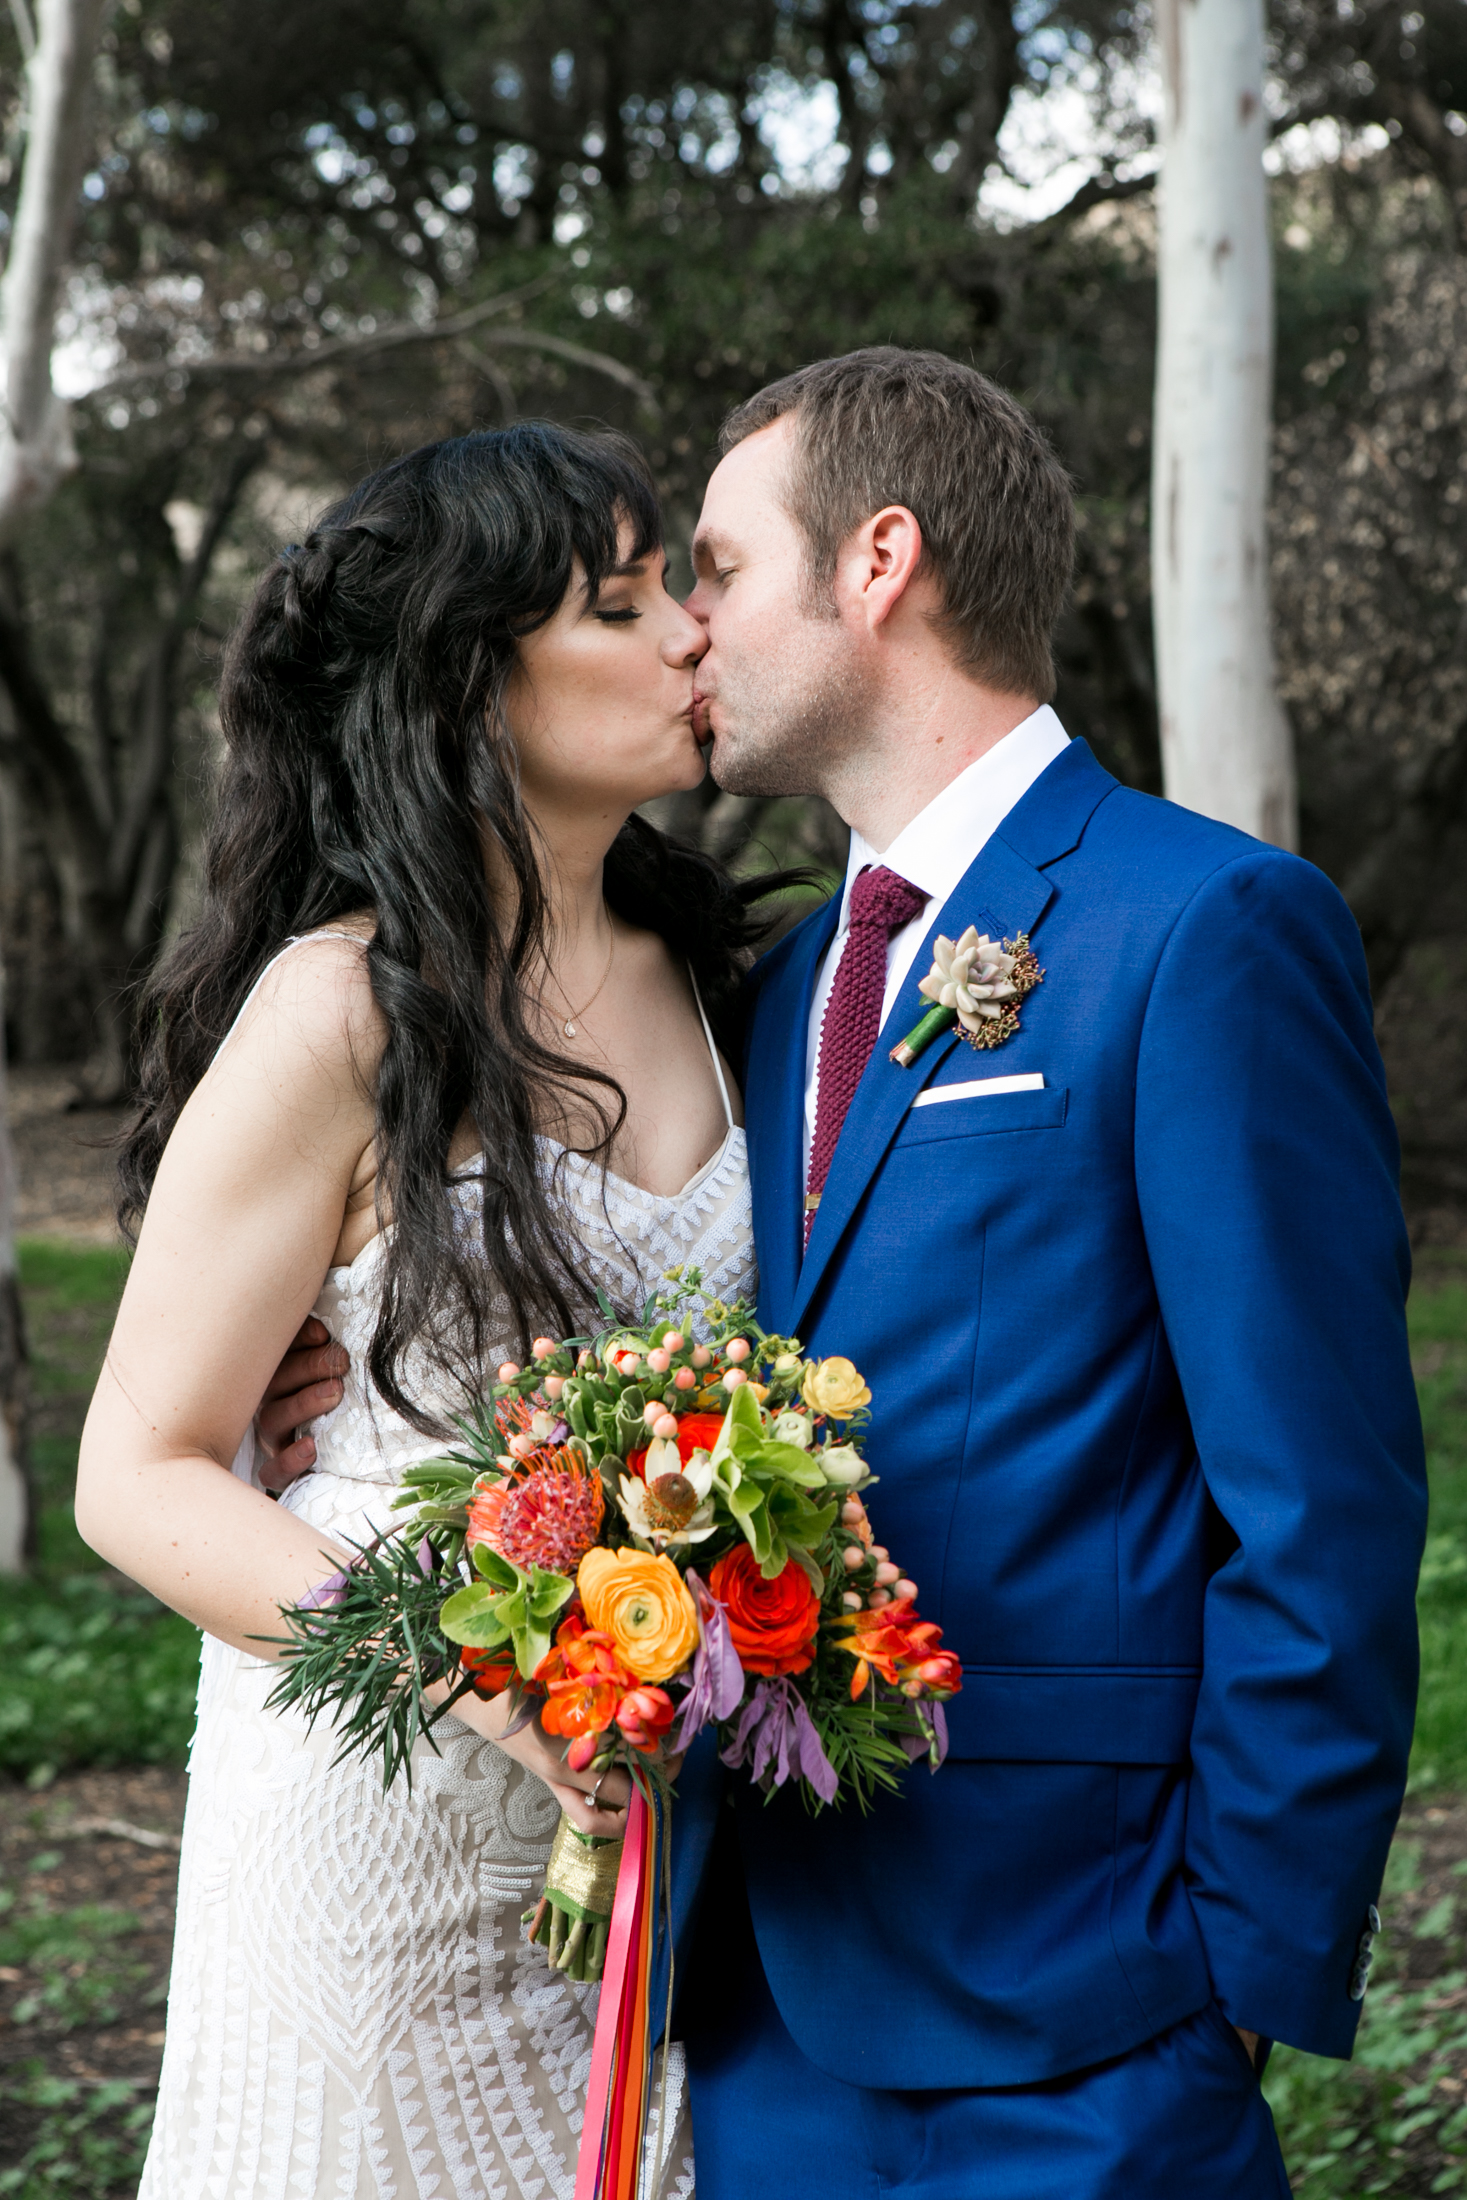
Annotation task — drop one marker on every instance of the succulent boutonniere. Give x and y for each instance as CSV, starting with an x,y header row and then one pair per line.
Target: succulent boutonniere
x,y
977,983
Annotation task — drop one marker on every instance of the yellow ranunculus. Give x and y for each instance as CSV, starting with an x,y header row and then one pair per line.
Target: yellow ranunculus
x,y
834,1387
641,1603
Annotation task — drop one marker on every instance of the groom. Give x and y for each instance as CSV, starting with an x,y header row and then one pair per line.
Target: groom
x,y
1128,1292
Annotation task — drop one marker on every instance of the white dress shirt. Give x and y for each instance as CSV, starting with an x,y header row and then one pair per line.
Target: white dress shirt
x,y
932,853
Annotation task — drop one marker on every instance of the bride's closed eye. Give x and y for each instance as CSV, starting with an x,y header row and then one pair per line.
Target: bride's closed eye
x,y
617,618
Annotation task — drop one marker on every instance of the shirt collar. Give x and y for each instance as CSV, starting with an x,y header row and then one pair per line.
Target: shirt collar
x,y
940,843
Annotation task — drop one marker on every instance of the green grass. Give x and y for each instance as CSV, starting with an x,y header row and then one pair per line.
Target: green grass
x,y
1350,2129
96,1672
1439,1339
82,2141
79,1973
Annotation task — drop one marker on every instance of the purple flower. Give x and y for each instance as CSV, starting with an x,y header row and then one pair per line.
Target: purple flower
x,y
931,1743
718,1677
777,1735
329,1591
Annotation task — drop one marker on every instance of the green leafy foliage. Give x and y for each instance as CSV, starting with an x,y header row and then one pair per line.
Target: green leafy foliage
x,y
507,1605
763,1483
78,1970
82,2141
94,1674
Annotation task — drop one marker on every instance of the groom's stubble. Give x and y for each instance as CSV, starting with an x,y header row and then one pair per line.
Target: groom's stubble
x,y
784,722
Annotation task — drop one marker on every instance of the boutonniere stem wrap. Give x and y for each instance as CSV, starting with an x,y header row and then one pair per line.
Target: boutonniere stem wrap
x,y
978,984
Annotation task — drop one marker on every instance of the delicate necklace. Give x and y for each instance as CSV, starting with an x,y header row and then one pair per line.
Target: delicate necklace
x,y
570,1026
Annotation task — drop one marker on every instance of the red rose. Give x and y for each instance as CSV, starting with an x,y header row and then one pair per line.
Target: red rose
x,y
772,1623
695,1432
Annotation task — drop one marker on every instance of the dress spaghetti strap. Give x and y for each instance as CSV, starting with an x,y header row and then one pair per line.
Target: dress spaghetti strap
x,y
728,1116
297,939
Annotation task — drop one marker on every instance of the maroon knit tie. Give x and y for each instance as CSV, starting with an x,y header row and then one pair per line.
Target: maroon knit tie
x,y
881,902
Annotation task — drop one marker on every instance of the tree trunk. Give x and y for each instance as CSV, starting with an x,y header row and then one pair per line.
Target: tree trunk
x,y
36,454
16,1512
36,450
1226,744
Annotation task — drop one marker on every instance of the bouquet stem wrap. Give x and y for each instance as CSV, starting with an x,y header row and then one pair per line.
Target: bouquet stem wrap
x,y
612,2139
573,1918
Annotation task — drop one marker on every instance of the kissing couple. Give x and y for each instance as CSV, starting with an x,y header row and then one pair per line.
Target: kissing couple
x,y
458,1043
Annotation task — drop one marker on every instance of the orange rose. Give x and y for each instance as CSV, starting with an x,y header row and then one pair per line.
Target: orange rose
x,y
771,1623
695,1432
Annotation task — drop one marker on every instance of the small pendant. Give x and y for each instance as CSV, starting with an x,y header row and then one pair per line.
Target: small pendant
x,y
570,1031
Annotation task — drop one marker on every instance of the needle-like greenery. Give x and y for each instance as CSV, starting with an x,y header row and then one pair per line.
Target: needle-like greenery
x,y
366,1659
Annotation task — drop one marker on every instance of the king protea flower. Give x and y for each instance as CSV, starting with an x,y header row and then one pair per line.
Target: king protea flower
x,y
548,1513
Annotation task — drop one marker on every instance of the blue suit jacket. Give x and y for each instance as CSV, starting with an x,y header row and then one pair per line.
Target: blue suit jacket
x,y
1147,1440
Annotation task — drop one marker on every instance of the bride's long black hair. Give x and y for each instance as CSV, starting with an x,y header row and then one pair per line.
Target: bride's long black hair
x,y
366,742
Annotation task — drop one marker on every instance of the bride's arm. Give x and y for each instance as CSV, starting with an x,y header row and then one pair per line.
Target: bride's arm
x,y
241,1226
240,1229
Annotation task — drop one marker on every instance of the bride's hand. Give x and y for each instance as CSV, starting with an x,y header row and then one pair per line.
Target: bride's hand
x,y
541,1754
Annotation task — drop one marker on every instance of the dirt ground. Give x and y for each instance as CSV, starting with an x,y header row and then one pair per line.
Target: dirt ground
x,y
76,1847
64,1160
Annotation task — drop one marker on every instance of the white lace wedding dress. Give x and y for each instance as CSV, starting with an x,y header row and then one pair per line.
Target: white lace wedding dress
x,y
353,2009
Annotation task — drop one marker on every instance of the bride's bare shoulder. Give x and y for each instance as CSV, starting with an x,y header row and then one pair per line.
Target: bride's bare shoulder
x,y
312,1028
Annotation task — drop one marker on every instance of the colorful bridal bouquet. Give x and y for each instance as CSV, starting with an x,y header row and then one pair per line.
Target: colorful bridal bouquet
x,y
638,1536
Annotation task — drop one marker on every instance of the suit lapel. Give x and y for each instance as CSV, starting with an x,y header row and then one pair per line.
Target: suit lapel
x,y
775,1106
1004,892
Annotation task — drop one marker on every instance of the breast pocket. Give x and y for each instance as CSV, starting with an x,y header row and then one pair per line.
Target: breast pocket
x,y
975,1115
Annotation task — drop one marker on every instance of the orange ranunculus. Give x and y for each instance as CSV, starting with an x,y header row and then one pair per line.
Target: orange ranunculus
x,y
771,1623
584,1680
695,1432
902,1648
642,1604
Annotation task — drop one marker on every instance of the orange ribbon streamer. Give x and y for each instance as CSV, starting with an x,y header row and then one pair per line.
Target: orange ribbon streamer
x,y
612,2137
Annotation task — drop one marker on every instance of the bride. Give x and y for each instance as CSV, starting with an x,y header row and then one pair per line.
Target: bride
x,y
436,1065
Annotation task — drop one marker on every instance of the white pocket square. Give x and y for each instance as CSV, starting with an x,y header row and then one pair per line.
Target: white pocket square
x,y
1032,1081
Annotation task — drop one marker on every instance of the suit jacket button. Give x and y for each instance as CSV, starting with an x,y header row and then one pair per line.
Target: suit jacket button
x,y
1364,1955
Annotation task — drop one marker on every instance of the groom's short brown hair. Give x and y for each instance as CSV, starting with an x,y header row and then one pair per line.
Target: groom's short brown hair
x,y
887,426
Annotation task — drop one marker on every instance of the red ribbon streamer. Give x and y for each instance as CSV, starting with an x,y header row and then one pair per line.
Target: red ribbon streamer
x,y
609,2163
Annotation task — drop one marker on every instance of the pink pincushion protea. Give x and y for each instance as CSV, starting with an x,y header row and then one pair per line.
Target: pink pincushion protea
x,y
547,1514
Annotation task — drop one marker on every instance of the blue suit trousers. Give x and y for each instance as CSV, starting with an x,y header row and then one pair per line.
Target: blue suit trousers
x,y
1181,2117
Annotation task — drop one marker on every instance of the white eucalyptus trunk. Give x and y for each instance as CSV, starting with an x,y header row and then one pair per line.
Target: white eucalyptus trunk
x,y
36,448
36,455
1226,744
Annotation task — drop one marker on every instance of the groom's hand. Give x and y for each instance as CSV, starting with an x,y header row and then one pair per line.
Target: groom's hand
x,y
1250,2044
306,1383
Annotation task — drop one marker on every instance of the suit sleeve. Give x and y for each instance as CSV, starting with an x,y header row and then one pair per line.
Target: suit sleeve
x,y
1266,1162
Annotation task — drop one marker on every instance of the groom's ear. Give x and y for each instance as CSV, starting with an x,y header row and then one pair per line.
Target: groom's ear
x,y
879,570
